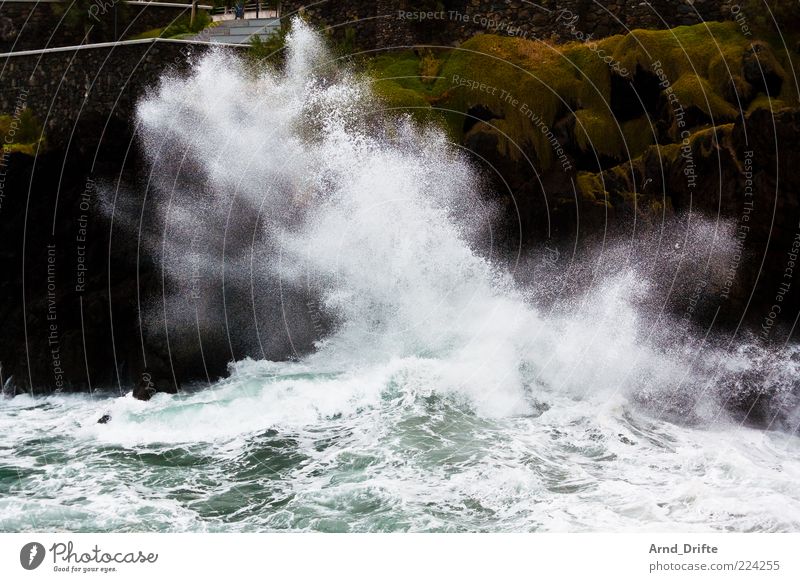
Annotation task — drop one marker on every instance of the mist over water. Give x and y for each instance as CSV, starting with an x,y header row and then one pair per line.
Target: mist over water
x,y
429,386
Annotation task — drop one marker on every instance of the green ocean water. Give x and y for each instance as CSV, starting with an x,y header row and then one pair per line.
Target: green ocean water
x,y
267,452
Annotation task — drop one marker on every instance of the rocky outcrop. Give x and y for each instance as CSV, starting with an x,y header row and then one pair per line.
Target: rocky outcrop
x,y
80,290
742,173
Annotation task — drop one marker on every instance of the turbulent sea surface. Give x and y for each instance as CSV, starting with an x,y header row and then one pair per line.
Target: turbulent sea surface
x,y
439,395
279,447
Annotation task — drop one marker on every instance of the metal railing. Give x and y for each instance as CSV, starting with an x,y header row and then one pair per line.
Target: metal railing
x,y
114,44
268,9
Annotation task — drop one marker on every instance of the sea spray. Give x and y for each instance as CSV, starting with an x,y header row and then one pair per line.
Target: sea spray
x,y
435,389
313,197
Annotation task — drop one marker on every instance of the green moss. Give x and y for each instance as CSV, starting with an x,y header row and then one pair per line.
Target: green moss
x,y
788,96
400,69
771,103
595,130
700,62
399,97
429,67
670,153
22,134
709,133
693,90
598,130
707,50
525,82
528,87
638,134
592,186
153,33
397,81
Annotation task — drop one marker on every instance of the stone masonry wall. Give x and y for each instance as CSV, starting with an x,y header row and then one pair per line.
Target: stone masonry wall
x,y
34,25
68,87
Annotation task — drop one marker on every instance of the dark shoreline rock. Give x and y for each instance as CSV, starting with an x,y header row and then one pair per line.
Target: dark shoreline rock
x,y
80,284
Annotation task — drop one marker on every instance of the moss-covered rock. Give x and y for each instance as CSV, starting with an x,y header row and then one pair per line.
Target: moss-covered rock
x,y
687,78
660,132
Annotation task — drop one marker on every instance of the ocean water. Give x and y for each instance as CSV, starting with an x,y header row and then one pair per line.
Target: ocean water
x,y
280,447
439,395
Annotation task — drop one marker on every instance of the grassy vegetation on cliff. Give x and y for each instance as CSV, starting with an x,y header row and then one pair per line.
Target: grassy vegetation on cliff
x,y
524,85
180,28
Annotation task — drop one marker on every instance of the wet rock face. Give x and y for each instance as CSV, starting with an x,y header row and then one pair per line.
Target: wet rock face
x,y
762,70
75,280
82,306
39,307
7,29
635,96
743,179
68,297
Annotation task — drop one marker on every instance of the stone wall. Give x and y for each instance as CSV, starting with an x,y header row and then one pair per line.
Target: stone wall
x,y
390,23
28,25
67,88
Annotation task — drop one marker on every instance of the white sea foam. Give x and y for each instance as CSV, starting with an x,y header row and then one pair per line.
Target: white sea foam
x,y
376,219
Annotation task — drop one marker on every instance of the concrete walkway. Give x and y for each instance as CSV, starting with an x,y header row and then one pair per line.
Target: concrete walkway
x,y
230,31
